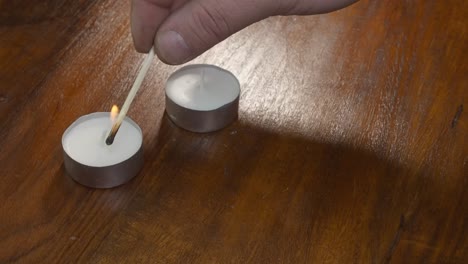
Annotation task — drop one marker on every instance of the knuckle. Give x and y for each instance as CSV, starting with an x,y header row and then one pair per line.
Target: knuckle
x,y
289,7
212,21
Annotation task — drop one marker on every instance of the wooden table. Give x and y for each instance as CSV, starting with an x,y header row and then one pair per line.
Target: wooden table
x,y
351,146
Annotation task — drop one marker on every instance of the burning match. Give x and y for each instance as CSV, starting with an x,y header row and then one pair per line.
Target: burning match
x,y
115,127
113,132
131,95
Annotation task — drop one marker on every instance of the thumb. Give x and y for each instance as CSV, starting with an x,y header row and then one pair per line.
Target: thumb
x,y
200,24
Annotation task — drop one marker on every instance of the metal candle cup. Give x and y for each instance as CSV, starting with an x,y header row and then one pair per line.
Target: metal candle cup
x,y
90,162
202,98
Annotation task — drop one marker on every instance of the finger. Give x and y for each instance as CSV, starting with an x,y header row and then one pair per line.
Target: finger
x,y
200,24
146,17
309,7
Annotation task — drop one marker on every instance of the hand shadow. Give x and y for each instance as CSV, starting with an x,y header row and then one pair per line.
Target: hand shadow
x,y
245,187
254,195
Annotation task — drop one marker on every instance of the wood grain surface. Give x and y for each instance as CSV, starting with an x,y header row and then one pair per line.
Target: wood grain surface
x,y
351,146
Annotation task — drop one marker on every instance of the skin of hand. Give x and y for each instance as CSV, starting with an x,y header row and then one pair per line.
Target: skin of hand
x,y
181,30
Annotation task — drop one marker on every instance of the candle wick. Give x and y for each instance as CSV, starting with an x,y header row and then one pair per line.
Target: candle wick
x,y
202,82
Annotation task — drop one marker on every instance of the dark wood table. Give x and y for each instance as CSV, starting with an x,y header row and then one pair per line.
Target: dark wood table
x,y
351,146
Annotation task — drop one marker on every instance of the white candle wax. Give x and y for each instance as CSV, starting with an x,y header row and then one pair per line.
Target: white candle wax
x,y
85,140
202,87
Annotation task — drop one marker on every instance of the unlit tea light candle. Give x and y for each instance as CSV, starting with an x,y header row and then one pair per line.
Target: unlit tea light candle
x,y
90,161
202,98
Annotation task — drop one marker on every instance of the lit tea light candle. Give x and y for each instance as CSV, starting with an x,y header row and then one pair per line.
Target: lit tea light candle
x,y
102,154
202,98
91,162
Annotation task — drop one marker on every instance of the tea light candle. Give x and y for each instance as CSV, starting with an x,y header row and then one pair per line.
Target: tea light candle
x,y
202,98
90,161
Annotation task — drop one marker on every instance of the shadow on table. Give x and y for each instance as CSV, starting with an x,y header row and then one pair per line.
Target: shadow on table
x,y
245,187
276,186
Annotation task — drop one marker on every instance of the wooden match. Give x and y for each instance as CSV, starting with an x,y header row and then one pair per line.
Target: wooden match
x,y
131,95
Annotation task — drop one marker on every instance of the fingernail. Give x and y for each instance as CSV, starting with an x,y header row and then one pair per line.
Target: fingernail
x,y
172,47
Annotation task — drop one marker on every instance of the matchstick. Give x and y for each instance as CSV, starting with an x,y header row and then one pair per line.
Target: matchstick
x,y
131,95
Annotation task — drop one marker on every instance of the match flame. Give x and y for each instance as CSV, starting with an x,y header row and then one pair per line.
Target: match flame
x,y
114,113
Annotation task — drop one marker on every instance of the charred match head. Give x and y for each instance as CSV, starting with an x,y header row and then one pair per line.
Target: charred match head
x,y
110,138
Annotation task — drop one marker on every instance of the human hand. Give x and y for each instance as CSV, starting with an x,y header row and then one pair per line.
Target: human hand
x,y
180,30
